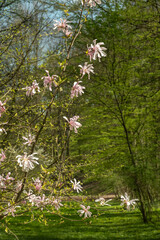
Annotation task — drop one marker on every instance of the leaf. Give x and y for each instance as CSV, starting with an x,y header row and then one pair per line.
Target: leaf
x,y
43,169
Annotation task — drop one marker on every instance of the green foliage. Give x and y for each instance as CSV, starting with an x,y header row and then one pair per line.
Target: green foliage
x,y
111,223
118,147
120,110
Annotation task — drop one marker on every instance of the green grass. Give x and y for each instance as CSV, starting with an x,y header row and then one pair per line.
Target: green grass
x,y
110,223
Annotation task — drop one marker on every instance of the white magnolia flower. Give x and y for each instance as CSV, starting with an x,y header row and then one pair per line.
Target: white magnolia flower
x,y
8,178
77,89
2,156
85,211
18,186
31,90
49,80
76,185
5,180
86,69
32,198
29,140
73,123
57,204
38,201
2,181
41,201
91,3
62,25
68,33
95,50
11,209
35,200
103,202
2,107
26,162
37,183
128,203
2,130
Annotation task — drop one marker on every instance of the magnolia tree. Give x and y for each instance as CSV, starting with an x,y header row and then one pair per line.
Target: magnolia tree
x,y
31,181
27,181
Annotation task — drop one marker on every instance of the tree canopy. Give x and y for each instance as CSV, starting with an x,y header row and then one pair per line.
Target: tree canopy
x,y
118,147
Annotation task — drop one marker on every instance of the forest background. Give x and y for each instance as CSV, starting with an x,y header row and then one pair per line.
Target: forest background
x,y
118,148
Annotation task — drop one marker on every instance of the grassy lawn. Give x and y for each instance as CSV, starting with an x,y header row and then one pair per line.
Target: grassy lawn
x,y
106,223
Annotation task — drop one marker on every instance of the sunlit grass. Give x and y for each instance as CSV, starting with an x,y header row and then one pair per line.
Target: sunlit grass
x,y
106,223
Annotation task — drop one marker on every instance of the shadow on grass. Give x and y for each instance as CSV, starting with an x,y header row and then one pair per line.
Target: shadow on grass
x,y
111,225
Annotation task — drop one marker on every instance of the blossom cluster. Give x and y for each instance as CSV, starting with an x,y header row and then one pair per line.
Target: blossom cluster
x,y
27,161
5,181
29,140
73,123
85,211
37,183
2,156
94,51
76,185
91,3
2,130
2,108
49,80
31,90
103,202
63,26
127,203
42,201
11,209
86,69
77,89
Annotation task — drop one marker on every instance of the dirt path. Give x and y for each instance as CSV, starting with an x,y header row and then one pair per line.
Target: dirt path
x,y
81,198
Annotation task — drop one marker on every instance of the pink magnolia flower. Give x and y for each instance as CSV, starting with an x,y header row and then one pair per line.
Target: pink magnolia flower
x,y
11,209
2,108
62,25
73,123
57,203
29,193
91,3
37,201
2,130
18,186
43,201
29,140
31,90
8,178
77,89
76,185
68,33
87,68
32,198
5,180
37,183
127,202
26,162
49,80
95,50
2,156
85,211
103,202
2,181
